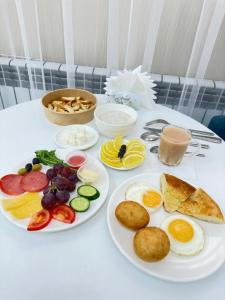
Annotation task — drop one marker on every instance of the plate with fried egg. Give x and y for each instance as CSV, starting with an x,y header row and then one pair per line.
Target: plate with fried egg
x,y
169,246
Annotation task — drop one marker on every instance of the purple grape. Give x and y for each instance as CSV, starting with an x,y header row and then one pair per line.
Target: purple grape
x,y
73,178
50,189
58,167
47,190
61,183
65,172
48,201
51,173
71,186
62,196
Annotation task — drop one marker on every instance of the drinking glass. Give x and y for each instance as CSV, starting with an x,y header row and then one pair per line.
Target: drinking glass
x,y
174,141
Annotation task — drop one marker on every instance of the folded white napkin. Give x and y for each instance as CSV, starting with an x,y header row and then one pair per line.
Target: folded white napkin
x,y
132,87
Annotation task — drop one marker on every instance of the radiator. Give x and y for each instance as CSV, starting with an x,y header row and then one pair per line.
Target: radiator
x,y
16,86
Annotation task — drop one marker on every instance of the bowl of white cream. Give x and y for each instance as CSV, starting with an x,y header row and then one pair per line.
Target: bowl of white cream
x,y
115,119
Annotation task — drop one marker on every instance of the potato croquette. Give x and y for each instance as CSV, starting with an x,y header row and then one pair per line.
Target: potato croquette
x,y
151,244
132,215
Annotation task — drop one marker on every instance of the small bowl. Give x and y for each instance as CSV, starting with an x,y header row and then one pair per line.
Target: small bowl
x,y
60,118
110,129
90,167
77,165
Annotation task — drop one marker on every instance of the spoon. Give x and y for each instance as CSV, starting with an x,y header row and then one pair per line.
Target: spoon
x,y
149,137
155,149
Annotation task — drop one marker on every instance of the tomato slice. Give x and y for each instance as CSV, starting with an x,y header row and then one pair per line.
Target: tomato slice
x,y
39,220
64,213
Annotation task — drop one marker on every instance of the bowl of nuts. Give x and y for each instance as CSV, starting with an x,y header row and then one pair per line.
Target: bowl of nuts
x,y
69,106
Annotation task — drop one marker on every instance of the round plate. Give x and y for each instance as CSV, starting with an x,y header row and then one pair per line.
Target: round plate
x,y
115,168
102,184
173,267
120,169
89,144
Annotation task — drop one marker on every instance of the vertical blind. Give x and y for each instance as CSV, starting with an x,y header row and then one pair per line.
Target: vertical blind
x,y
177,37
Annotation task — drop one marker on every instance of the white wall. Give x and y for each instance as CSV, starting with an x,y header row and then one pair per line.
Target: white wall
x,y
174,42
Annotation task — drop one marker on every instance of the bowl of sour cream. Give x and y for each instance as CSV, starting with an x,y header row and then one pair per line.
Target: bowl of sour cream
x,y
113,119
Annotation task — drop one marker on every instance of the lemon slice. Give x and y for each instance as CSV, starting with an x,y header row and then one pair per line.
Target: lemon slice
x,y
142,153
136,147
132,160
107,153
116,162
109,147
132,141
118,141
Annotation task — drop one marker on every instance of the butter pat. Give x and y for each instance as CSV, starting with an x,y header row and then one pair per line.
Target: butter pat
x,y
87,175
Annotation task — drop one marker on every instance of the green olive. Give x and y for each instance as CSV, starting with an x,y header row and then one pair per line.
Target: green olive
x,y
22,171
36,167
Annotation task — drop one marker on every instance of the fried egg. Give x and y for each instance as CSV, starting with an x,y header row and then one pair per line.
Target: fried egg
x,y
144,194
186,236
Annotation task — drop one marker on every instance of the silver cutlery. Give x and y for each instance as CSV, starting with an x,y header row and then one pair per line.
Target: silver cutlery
x,y
157,121
161,121
149,137
211,139
155,149
203,146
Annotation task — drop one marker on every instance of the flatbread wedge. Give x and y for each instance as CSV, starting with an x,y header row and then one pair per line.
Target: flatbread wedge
x,y
200,205
174,191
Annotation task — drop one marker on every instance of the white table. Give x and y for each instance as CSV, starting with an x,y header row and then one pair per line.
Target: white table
x,y
83,263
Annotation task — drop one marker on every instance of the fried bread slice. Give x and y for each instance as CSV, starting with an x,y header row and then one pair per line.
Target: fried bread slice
x,y
174,191
200,205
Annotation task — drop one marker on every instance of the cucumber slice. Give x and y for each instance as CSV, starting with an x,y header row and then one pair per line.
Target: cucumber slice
x,y
88,191
80,204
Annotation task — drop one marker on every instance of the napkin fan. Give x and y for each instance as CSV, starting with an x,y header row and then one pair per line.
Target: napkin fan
x,y
134,88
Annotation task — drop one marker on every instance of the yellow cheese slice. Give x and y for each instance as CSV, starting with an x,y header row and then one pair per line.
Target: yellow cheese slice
x,y
23,206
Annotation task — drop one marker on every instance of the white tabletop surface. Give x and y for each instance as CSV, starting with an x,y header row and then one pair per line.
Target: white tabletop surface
x,y
83,263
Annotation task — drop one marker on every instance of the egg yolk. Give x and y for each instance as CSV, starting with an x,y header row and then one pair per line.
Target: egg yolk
x,y
151,199
181,230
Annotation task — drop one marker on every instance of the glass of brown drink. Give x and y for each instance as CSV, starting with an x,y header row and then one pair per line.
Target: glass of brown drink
x,y
174,141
